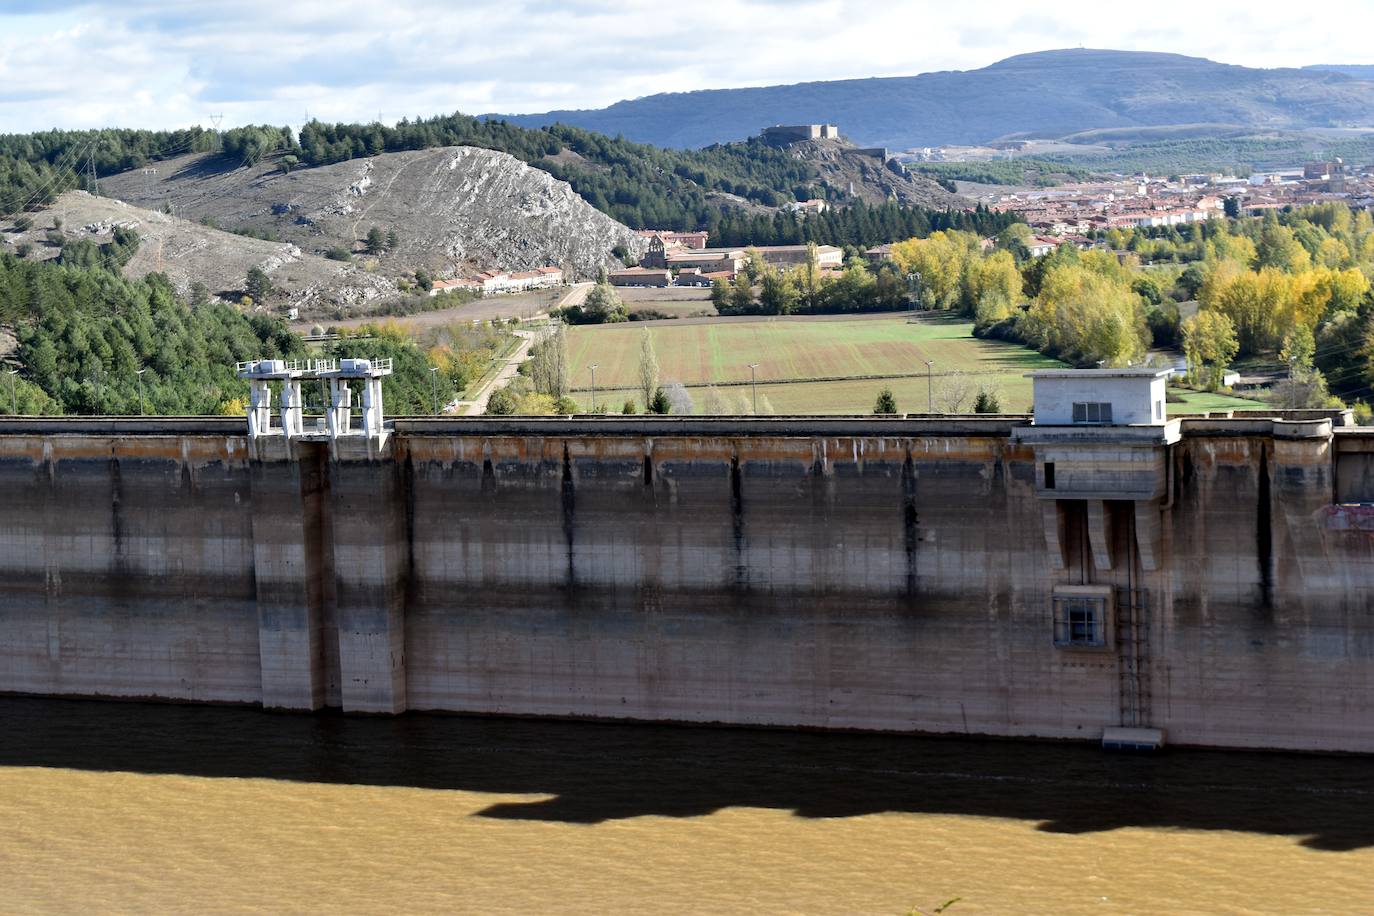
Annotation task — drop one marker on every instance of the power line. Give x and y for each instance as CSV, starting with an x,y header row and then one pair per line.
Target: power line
x,y
94,181
74,154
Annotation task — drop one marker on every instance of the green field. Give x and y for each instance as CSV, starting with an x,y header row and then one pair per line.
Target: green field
x,y
1198,401
789,351
719,351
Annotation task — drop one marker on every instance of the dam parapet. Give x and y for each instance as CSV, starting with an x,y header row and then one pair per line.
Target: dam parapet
x,y
1210,577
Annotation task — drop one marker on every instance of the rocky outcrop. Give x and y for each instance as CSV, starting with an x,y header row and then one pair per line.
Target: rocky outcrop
x,y
868,175
453,210
188,252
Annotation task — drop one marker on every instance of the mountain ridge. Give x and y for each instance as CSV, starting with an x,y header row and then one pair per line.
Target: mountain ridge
x,y
1354,71
1045,93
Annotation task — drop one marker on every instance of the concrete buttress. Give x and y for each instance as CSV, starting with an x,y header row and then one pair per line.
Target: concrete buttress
x,y
290,567
371,565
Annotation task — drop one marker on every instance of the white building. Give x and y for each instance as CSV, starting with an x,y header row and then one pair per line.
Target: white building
x,y
1100,397
493,282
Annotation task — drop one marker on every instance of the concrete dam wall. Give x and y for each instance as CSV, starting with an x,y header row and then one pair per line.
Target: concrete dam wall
x,y
955,575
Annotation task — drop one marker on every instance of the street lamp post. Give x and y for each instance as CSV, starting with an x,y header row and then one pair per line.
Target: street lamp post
x,y
139,373
930,387
754,385
592,367
434,388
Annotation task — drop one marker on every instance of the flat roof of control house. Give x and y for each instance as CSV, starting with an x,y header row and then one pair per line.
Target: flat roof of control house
x,y
1099,373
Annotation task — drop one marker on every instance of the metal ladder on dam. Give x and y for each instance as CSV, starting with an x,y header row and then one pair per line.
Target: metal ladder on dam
x,y
1133,644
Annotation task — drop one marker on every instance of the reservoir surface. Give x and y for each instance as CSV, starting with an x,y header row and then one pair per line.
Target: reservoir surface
x,y
132,807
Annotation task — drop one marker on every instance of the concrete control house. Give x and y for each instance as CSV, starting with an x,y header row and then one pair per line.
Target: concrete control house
x,y
1100,571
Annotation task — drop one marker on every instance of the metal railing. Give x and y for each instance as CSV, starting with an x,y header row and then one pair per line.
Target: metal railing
x,y
278,366
267,368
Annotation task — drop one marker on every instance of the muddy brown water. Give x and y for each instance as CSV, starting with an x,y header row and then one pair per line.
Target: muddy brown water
x,y
146,808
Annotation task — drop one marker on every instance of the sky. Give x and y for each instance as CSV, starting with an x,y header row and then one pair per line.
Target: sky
x,y
177,63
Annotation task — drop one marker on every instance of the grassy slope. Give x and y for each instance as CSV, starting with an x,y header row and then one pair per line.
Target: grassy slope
x,y
800,348
1194,401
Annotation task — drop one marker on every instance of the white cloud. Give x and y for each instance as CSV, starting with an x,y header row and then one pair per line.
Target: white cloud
x,y
163,63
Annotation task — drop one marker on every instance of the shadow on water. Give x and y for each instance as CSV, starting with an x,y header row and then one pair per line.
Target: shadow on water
x,y
597,772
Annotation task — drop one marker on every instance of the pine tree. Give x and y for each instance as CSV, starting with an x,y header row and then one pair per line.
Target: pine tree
x,y
376,241
987,402
258,285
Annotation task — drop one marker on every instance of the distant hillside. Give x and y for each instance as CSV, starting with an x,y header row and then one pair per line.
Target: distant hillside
x,y
1047,94
1356,71
636,184
188,252
452,209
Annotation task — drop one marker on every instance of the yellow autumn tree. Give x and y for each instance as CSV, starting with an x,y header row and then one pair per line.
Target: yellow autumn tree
x,y
1332,253
992,287
1209,345
1280,249
1226,247
1087,314
1342,290
941,260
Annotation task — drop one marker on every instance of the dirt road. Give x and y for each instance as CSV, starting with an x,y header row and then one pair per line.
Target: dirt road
x,y
577,294
478,405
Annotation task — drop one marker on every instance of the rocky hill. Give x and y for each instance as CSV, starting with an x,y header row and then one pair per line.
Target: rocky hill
x,y
188,252
453,209
865,174
1047,94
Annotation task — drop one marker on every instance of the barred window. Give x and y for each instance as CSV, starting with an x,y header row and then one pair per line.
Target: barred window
x,y
1092,412
1080,622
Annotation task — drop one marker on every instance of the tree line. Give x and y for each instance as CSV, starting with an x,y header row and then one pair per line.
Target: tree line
x,y
94,342
1289,290
760,288
1036,172
36,167
860,225
91,341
